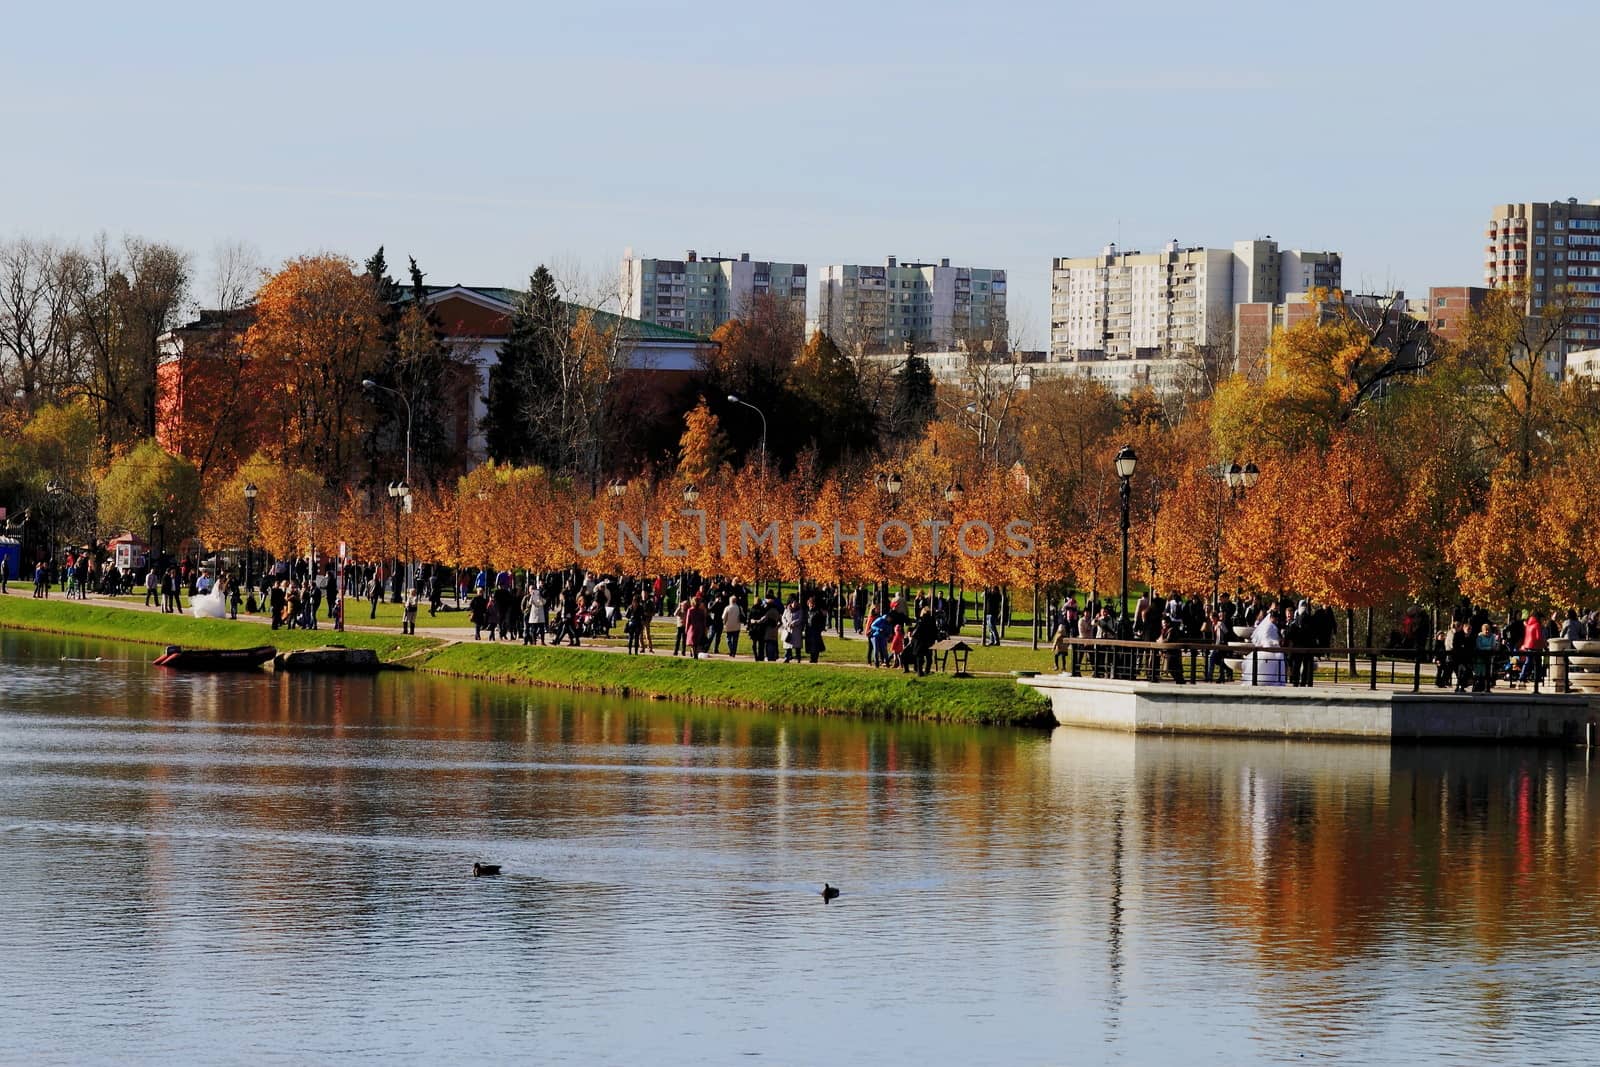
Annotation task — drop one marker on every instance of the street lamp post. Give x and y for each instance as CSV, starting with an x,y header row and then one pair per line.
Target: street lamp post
x,y
400,493
250,492
984,417
953,495
733,398
1125,463
890,485
372,386
691,495
54,488
1239,480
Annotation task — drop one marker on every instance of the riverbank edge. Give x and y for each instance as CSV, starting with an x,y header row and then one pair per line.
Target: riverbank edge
x,y
814,689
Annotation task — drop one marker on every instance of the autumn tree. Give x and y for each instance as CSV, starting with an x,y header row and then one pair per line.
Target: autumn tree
x,y
751,360
282,495
1321,373
58,443
316,336
150,481
1507,355
1346,548
1491,558
703,448
826,381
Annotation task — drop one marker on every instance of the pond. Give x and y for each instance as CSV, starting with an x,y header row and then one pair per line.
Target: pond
x,y
255,868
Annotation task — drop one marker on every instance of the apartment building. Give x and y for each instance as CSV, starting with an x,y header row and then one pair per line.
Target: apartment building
x,y
1137,305
1550,247
699,293
1448,307
933,306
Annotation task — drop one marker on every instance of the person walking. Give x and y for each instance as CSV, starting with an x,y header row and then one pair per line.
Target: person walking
x,y
682,615
634,626
793,623
732,620
408,618
816,625
695,622
478,612
1533,646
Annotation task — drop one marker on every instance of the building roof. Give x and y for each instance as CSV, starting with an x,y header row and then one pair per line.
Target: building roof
x,y
632,329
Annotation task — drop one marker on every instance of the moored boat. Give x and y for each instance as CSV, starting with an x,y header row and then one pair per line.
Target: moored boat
x,y
215,659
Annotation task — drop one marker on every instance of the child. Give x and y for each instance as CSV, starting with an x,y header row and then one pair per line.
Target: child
x,y
1062,647
897,647
408,621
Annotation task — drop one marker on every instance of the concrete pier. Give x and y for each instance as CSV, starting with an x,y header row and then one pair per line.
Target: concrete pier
x,y
1327,712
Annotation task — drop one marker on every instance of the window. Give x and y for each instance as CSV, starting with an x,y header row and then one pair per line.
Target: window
x,y
1438,324
1443,301
1559,241
1539,240
1538,224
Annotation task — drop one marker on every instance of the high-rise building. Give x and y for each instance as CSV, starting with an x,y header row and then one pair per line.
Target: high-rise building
x,y
1135,305
699,293
1551,247
933,306
1545,245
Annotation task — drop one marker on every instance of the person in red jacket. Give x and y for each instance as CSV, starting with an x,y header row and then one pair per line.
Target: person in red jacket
x,y
1532,646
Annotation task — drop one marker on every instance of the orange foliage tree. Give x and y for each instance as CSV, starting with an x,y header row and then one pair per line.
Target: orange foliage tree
x,y
316,335
1346,548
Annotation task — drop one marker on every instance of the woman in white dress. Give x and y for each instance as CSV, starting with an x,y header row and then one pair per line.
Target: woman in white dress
x,y
1265,668
212,604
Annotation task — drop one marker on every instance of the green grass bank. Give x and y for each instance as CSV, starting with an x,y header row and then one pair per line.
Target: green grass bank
x,y
82,618
811,688
804,688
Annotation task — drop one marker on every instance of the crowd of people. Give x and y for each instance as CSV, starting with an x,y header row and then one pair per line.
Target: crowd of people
x,y
1278,641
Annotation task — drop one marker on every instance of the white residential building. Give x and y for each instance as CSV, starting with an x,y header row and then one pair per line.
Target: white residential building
x,y
933,306
699,293
1156,305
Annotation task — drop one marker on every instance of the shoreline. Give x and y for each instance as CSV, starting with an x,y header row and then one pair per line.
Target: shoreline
x,y
815,689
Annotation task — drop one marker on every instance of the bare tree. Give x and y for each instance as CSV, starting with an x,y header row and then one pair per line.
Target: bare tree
x,y
38,350
236,273
123,300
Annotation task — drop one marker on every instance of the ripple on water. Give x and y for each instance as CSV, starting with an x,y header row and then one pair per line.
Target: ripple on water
x,y
244,868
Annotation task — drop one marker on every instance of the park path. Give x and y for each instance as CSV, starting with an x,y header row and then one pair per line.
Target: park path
x,y
446,635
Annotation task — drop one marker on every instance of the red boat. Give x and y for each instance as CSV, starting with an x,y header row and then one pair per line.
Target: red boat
x,y
216,659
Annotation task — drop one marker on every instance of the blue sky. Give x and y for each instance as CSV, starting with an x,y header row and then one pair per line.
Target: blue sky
x,y
486,138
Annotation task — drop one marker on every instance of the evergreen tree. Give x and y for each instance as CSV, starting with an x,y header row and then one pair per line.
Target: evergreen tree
x,y
526,377
417,365
914,397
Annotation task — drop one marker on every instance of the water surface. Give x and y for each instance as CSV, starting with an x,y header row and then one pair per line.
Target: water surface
x,y
259,869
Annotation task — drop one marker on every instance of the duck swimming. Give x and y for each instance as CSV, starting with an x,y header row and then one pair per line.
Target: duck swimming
x,y
479,870
829,892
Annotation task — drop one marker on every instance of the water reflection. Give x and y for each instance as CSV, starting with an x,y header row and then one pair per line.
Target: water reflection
x,y
286,861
